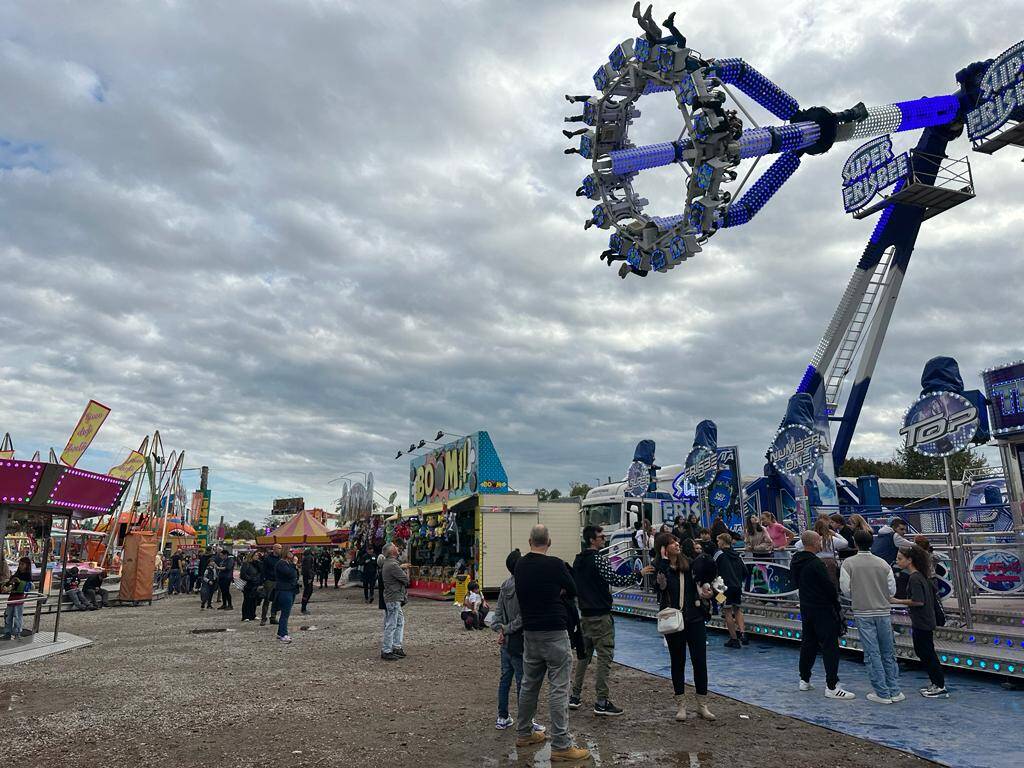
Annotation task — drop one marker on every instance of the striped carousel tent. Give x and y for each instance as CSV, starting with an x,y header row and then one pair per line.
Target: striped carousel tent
x,y
303,528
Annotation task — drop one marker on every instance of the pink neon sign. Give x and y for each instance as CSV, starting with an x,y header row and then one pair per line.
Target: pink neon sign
x,y
18,480
78,489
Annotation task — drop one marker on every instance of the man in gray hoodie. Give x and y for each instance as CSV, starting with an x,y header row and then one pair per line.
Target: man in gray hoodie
x,y
869,582
395,582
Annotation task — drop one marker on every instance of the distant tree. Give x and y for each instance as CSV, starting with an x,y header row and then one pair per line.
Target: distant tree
x,y
244,530
857,466
913,466
923,468
578,490
543,494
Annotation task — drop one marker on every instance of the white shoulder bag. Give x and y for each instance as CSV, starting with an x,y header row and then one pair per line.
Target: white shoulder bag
x,y
670,621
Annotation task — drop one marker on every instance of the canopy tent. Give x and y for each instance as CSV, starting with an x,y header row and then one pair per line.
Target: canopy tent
x,y
303,528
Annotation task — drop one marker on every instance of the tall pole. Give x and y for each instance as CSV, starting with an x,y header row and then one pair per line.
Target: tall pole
x,y
959,560
63,573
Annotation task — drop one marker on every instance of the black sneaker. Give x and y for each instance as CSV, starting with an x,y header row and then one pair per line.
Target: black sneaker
x,y
733,644
273,619
574,702
607,708
400,653
744,639
389,656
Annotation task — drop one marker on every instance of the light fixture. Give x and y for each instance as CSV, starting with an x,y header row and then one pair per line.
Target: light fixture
x,y
421,443
398,456
412,447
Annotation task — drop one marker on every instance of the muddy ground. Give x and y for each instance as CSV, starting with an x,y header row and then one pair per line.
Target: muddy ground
x,y
150,693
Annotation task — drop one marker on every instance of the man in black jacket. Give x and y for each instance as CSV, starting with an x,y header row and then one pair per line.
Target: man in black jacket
x,y
308,572
821,617
593,574
270,585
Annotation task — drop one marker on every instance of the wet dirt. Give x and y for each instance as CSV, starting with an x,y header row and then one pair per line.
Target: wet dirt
x,y
150,694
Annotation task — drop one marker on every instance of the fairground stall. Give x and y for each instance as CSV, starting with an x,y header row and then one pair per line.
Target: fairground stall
x,y
463,519
32,495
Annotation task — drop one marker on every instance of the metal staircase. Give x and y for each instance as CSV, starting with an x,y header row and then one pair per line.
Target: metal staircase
x,y
842,362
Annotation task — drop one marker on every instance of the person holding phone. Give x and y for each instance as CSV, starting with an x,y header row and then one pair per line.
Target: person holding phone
x,y
677,588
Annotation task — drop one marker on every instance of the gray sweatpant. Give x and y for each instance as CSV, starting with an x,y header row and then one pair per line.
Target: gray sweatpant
x,y
546,653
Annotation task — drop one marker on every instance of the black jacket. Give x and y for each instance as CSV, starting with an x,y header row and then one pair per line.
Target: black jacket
x,y
730,568
286,576
669,595
308,564
270,567
591,587
817,590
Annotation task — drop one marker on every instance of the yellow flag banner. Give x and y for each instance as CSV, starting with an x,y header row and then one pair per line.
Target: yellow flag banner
x,y
126,469
92,419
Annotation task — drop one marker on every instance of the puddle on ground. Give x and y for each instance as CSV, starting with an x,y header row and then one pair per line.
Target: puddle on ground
x,y
9,701
541,758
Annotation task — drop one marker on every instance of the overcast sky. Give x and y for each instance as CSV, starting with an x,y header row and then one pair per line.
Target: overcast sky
x,y
297,236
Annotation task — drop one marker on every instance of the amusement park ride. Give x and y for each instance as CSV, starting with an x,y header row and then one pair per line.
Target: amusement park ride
x,y
986,630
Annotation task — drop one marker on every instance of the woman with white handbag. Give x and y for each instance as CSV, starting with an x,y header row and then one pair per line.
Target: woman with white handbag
x,y
681,621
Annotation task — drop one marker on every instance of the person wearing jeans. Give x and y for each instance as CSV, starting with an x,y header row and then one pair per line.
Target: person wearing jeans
x,y
395,579
542,582
287,580
20,583
870,583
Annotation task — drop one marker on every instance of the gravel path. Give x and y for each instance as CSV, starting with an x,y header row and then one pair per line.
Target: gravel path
x,y
148,692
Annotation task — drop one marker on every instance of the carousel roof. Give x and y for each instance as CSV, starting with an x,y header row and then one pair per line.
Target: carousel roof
x,y
303,528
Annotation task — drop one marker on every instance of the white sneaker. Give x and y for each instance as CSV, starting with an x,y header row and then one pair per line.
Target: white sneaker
x,y
899,697
503,722
934,692
878,699
538,728
285,639
839,693
806,686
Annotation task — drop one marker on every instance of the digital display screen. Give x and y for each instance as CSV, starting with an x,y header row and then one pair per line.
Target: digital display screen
x,y
1004,388
77,489
18,480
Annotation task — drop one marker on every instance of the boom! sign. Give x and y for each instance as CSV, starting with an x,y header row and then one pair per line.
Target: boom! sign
x,y
795,450
1002,93
456,470
940,424
870,169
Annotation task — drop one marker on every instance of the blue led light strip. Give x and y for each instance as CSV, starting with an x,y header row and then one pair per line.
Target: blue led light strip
x,y
640,158
758,87
927,111
755,198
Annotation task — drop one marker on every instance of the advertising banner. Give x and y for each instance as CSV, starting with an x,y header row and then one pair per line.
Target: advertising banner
x,y
92,419
126,469
721,477
202,520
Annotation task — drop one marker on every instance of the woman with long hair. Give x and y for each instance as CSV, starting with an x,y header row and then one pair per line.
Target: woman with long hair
x,y
678,589
858,523
921,599
758,541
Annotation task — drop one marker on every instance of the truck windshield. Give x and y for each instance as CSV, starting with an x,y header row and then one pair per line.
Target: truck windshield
x,y
602,514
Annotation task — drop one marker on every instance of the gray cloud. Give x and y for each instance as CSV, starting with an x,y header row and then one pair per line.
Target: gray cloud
x,y
297,237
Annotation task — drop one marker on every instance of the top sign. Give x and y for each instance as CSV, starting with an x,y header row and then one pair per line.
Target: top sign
x,y
701,466
288,506
1002,93
940,424
795,450
1004,388
870,169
